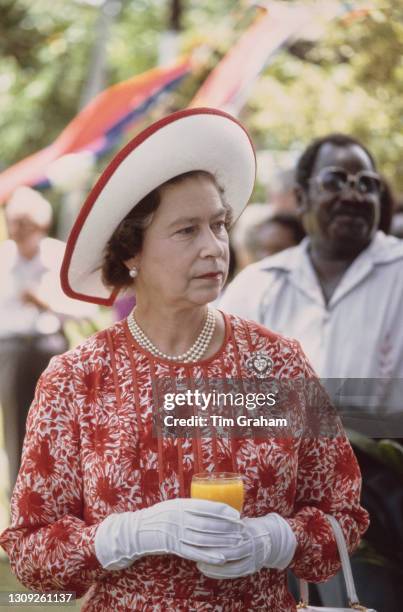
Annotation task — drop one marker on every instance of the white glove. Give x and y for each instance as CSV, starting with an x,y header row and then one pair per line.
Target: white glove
x,y
268,541
194,529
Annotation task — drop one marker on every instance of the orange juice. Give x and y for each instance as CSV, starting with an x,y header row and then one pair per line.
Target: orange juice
x,y
227,489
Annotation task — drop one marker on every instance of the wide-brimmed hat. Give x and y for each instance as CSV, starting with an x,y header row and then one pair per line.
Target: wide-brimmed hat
x,y
194,139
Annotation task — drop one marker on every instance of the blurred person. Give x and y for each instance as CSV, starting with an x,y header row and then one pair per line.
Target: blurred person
x,y
100,502
340,293
123,306
396,226
276,233
263,230
32,305
281,183
253,214
388,206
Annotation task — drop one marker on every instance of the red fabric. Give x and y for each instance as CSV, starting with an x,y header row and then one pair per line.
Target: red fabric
x,y
99,461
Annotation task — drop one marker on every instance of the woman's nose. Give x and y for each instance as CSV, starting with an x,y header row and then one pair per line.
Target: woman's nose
x,y
211,245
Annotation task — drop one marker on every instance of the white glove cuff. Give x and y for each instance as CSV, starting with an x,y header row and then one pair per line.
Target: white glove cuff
x,y
283,542
114,540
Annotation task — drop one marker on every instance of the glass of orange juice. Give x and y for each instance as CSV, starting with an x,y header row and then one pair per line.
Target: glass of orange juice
x,y
223,487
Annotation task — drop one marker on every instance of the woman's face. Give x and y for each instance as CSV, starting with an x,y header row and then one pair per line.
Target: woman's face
x,y
184,259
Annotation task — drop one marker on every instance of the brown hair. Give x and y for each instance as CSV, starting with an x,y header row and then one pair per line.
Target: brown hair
x,y
127,239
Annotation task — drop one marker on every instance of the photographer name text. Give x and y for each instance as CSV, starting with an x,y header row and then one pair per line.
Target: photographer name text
x,y
217,420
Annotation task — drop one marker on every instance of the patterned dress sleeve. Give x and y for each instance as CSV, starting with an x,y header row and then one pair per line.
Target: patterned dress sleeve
x,y
49,545
328,482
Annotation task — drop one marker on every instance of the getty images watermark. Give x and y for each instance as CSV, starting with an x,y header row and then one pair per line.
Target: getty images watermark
x,y
213,401
297,407
242,408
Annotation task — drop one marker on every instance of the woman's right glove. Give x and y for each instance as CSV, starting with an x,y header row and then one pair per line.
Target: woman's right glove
x,y
194,529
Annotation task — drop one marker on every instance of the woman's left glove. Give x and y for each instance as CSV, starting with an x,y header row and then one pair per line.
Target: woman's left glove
x,y
268,541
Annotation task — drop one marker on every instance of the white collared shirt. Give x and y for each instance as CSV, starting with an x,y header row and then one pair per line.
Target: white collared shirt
x,y
41,276
358,334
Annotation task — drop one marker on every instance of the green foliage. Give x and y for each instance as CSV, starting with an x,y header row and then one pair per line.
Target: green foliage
x,y
45,55
133,45
42,66
350,79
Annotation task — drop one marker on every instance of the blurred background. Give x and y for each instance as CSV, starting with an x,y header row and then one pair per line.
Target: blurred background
x,y
79,78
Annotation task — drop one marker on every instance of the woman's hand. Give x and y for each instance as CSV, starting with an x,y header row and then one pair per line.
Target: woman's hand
x,y
195,529
267,541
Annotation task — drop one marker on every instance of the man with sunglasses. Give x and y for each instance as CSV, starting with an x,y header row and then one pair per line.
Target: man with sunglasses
x,y
340,293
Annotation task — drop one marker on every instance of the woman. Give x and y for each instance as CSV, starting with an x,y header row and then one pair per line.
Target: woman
x,y
101,503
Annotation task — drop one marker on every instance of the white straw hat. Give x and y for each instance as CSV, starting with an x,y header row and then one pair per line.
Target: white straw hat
x,y
194,139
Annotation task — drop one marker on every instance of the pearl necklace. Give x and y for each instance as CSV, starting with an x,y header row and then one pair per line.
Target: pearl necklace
x,y
195,352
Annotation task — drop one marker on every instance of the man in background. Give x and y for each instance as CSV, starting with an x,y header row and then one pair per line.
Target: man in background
x,y
32,310
340,293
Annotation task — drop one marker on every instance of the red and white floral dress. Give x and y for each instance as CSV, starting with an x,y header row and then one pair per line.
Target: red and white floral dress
x,y
90,451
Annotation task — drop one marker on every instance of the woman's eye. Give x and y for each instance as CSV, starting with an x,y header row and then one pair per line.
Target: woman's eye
x,y
187,230
219,226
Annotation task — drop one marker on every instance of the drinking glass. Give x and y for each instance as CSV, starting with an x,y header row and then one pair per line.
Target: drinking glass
x,y
226,487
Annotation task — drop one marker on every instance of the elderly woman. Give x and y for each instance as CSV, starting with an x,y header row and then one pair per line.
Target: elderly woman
x,y
101,505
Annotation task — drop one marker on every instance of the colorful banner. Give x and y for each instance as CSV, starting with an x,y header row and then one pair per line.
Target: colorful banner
x,y
228,85
99,125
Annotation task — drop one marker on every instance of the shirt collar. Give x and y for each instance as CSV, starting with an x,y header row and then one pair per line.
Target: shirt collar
x,y
382,249
297,264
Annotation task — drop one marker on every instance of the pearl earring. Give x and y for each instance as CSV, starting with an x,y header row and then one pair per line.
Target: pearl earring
x,y
133,272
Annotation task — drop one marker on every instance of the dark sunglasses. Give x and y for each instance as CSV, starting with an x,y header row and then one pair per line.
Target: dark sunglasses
x,y
335,180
